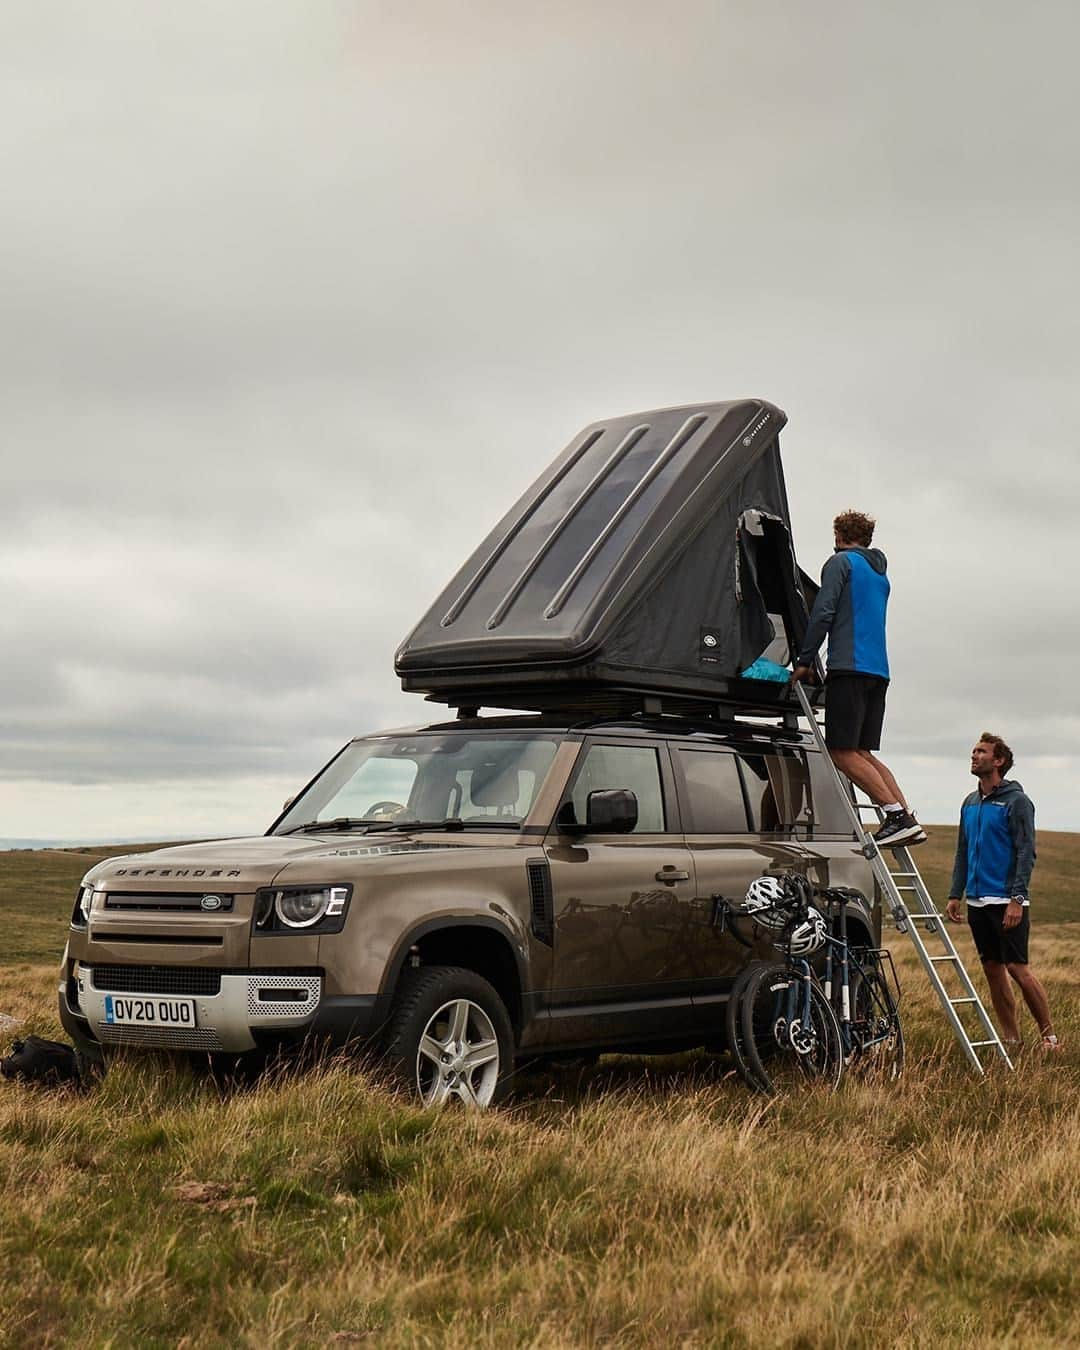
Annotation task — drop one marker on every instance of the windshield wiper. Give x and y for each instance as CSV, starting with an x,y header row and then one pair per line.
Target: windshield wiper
x,y
342,823
450,823
456,823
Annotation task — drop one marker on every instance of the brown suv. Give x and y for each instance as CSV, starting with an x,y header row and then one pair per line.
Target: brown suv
x,y
466,894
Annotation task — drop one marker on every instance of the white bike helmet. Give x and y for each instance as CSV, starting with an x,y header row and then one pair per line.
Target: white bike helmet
x,y
768,902
809,935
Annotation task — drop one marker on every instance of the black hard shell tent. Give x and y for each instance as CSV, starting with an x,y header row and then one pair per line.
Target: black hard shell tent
x,y
653,557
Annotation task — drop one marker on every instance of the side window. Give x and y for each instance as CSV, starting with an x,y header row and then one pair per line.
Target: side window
x,y
714,796
623,766
829,814
792,788
779,791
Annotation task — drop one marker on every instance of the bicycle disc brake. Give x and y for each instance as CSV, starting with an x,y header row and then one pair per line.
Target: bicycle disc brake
x,y
803,1038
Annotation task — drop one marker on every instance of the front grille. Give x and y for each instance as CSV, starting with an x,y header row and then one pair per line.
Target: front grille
x,y
155,939
193,981
165,1038
182,902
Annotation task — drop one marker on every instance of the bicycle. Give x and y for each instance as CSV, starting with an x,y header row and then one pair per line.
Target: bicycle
x,y
866,995
780,1026
783,1026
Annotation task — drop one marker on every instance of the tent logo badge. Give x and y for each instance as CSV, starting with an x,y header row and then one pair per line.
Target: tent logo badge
x,y
710,645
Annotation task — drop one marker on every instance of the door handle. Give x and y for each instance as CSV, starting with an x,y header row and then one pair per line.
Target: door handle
x,y
669,875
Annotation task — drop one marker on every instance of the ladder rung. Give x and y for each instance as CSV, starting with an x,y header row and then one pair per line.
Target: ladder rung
x,y
976,1044
944,958
955,1001
903,874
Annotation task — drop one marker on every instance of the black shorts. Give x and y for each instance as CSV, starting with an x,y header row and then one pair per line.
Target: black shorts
x,y
854,711
995,942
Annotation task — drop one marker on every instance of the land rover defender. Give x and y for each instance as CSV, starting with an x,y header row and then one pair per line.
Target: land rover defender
x,y
466,894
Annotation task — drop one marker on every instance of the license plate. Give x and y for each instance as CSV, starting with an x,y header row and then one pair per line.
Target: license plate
x,y
140,1010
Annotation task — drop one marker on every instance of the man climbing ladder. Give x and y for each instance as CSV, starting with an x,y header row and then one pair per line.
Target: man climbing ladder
x,y
850,610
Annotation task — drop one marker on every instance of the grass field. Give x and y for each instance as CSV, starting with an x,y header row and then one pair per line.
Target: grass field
x,y
641,1203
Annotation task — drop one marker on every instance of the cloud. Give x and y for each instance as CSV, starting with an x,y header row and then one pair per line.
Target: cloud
x,y
299,299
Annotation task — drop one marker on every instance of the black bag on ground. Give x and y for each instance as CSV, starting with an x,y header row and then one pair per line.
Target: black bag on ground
x,y
36,1060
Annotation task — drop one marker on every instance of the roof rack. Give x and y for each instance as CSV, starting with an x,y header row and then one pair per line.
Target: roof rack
x,y
742,698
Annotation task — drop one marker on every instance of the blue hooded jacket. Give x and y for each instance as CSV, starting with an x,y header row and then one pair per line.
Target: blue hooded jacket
x,y
995,849
850,608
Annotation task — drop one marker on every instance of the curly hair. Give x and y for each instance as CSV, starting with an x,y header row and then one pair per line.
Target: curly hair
x,y
1000,749
855,527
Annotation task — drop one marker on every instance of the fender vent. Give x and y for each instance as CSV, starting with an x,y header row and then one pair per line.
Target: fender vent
x,y
540,899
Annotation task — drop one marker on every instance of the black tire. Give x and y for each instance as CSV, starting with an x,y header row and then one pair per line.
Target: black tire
x,y
449,1036
878,1037
781,1055
733,1025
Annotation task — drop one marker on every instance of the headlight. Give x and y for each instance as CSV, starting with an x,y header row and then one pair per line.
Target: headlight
x,y
84,899
307,907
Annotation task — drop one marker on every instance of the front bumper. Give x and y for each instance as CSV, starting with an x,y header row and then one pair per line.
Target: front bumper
x,y
234,1011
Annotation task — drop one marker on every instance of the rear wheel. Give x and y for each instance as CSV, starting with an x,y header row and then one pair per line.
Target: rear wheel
x,y
450,1037
790,1033
878,1038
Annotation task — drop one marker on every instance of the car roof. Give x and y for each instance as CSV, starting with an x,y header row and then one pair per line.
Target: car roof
x,y
718,730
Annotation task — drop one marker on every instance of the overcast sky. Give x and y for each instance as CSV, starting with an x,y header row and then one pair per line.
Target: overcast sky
x,y
298,297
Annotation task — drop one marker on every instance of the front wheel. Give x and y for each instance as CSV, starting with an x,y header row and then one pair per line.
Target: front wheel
x,y
736,1041
790,1033
450,1037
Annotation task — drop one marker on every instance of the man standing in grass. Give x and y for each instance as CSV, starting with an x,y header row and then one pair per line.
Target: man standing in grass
x,y
850,609
995,852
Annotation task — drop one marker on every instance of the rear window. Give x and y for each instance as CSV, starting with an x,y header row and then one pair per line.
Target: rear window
x,y
714,796
829,814
779,789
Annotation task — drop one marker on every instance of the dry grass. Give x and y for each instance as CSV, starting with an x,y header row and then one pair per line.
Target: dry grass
x,y
645,1203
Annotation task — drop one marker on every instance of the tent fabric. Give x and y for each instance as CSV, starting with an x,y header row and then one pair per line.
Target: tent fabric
x,y
649,556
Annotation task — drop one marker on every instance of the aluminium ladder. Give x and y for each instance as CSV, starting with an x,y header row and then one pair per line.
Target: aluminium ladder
x,y
915,913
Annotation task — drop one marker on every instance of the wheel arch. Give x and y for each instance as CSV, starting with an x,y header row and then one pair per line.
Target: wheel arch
x,y
861,927
476,943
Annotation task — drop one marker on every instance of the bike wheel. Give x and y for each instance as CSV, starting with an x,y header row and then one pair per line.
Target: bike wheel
x,y
877,1037
733,1025
790,1033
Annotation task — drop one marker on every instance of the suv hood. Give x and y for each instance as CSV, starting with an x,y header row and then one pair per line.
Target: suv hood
x,y
247,864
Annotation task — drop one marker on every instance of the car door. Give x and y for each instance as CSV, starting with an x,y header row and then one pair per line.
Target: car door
x,y
740,815
619,905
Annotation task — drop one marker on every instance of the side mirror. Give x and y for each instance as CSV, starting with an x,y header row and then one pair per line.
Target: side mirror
x,y
288,802
611,811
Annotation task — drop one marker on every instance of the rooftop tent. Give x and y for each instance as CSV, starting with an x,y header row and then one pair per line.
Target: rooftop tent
x,y
653,556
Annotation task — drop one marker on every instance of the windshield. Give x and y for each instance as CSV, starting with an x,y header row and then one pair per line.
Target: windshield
x,y
433,777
